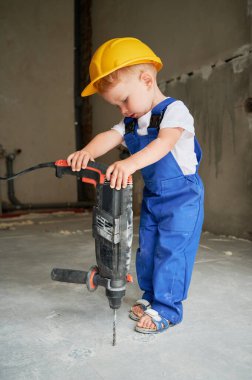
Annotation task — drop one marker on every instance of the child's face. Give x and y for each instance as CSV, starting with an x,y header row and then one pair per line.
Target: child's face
x,y
133,94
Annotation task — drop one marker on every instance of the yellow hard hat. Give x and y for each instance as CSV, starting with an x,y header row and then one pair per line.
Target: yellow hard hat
x,y
115,54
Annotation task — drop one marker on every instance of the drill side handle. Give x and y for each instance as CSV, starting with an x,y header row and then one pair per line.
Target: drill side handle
x,y
69,275
91,278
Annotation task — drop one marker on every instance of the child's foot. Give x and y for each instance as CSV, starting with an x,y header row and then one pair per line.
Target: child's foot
x,y
146,322
138,309
151,323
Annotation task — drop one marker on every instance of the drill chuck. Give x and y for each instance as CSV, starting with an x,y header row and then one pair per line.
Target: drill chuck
x,y
115,298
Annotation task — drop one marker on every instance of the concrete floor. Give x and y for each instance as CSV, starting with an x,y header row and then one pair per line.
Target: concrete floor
x,y
52,331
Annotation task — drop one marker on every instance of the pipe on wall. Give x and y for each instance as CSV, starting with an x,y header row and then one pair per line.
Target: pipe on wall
x,y
82,106
15,204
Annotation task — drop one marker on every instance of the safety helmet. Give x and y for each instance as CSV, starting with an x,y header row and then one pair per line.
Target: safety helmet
x,y
115,54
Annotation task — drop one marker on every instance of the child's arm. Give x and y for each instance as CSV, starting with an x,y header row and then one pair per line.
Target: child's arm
x,y
153,152
99,145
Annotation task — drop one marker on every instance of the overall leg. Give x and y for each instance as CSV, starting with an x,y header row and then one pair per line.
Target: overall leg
x,y
192,247
145,253
169,274
173,265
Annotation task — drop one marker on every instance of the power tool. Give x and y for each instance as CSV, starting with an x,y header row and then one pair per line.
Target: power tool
x,y
112,230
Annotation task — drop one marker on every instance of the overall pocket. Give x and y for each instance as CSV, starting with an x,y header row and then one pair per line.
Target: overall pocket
x,y
180,204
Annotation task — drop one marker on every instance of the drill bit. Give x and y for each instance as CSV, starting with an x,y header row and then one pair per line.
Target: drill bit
x,y
114,329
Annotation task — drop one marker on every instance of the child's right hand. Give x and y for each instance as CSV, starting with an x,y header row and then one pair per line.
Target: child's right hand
x,y
78,160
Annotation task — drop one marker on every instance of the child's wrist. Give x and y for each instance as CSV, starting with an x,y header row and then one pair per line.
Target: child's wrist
x,y
84,150
133,162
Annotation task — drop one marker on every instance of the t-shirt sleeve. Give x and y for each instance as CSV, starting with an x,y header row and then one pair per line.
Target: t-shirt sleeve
x,y
178,115
120,127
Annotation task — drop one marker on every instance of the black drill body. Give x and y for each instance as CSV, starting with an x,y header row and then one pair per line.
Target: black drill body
x,y
112,230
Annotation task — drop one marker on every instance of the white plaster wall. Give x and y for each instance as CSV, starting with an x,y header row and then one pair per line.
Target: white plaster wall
x,y
36,93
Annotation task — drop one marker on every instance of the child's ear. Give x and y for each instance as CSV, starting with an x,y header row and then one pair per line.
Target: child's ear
x,y
146,78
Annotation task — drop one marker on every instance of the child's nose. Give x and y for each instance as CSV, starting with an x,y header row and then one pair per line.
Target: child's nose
x,y
124,111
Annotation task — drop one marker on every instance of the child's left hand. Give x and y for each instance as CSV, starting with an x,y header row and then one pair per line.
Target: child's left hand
x,y
119,172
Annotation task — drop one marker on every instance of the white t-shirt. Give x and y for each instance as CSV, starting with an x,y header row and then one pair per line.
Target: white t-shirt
x,y
176,115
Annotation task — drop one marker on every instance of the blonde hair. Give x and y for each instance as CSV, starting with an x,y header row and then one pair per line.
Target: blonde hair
x,y
112,79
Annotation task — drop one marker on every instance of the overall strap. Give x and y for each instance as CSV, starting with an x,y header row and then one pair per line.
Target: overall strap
x,y
158,112
129,123
198,152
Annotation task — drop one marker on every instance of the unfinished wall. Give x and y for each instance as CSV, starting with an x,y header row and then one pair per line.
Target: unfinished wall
x,y
216,98
36,94
196,38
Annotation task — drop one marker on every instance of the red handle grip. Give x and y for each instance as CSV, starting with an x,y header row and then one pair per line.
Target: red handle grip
x,y
94,173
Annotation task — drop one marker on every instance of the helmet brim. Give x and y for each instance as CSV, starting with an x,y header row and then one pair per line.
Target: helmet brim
x,y
90,89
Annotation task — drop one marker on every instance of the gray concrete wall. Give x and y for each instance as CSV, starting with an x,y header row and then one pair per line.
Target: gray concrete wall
x,y
36,93
216,99
191,37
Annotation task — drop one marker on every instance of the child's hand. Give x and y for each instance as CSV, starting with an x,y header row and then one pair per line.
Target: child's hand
x,y
78,160
121,170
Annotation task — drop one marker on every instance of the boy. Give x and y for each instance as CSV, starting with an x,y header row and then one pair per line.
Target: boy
x,y
159,134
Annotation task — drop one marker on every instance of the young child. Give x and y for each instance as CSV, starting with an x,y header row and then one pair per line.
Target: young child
x,y
159,134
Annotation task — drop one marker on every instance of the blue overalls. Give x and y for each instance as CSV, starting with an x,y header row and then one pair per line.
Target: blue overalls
x,y
170,223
